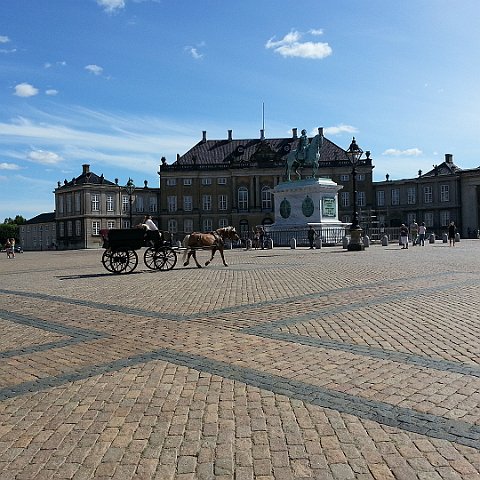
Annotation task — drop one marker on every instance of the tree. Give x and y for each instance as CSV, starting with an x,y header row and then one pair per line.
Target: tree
x,y
8,230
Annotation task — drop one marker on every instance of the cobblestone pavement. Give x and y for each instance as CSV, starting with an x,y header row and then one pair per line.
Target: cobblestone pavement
x,y
288,364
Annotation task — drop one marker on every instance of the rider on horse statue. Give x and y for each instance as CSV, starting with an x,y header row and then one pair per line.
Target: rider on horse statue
x,y
301,152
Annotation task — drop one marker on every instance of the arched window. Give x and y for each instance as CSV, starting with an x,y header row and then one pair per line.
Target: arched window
x,y
244,229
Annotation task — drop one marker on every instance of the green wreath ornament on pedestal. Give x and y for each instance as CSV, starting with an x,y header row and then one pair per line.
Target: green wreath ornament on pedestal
x,y
308,207
285,208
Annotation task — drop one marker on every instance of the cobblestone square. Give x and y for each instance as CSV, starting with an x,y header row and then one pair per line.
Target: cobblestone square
x,y
288,364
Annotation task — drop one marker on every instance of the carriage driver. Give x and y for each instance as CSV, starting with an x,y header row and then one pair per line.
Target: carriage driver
x,y
152,233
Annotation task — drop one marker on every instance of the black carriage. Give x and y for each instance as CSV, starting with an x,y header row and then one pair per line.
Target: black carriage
x,y
121,245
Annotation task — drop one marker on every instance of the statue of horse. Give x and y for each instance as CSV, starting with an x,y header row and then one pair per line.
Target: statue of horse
x,y
210,241
310,157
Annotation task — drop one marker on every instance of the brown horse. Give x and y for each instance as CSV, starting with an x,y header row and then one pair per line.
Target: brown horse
x,y
211,241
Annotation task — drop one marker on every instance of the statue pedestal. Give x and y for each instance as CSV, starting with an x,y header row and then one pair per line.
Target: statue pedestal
x,y
303,203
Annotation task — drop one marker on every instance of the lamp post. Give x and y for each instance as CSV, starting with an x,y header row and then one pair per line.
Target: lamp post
x,y
354,154
130,188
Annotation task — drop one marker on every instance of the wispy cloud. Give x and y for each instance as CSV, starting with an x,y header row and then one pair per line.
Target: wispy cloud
x,y
339,129
51,92
409,152
9,166
194,52
4,39
95,69
292,46
62,63
25,90
74,134
111,6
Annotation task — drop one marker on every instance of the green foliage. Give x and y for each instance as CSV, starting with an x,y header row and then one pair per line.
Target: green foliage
x,y
18,220
8,230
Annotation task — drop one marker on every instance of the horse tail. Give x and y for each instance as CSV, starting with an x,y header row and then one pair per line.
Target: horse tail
x,y
185,246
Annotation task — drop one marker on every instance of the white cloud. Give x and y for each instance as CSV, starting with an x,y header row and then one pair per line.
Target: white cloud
x,y
62,63
111,6
95,69
316,31
51,92
25,90
43,157
193,51
291,46
4,39
409,152
9,166
338,129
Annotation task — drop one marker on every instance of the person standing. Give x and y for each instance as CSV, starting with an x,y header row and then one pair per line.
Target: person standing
x,y
404,236
452,230
414,232
422,231
311,236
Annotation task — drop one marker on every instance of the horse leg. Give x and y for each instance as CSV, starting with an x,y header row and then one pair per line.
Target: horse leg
x,y
223,257
186,257
194,254
214,249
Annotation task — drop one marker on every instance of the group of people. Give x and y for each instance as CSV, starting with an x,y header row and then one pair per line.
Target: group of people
x,y
10,247
418,234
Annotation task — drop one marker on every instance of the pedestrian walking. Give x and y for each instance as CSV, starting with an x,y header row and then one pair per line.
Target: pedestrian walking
x,y
414,232
404,236
422,232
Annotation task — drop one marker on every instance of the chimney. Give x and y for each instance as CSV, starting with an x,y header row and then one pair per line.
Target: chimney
x,y
262,134
448,158
86,168
204,133
320,131
229,135
294,133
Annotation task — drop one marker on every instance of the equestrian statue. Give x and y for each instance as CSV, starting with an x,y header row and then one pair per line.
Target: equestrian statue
x,y
307,154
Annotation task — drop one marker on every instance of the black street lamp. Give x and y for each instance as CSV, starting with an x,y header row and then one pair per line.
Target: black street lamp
x,y
130,188
354,154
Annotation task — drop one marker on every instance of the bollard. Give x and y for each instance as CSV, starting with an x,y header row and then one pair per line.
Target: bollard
x,y
366,241
432,238
457,237
293,243
345,242
318,242
445,238
384,241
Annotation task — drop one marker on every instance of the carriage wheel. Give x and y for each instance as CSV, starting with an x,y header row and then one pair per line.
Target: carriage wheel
x,y
149,257
165,259
124,261
106,260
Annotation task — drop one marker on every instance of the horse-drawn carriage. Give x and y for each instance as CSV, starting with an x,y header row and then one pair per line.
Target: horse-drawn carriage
x,y
120,254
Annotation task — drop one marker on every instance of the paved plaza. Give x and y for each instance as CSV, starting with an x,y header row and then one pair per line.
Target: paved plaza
x,y
288,364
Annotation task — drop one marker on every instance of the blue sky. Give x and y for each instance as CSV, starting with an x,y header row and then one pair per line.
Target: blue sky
x,y
118,84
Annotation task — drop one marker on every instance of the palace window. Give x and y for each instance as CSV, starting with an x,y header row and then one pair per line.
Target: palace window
x,y
187,203
266,198
444,193
395,196
243,198
222,202
428,194
206,203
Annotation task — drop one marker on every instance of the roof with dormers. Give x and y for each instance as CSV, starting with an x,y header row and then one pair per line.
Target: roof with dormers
x,y
86,178
214,152
445,168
